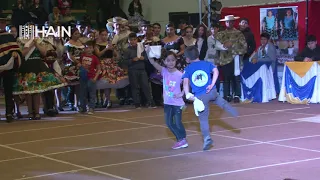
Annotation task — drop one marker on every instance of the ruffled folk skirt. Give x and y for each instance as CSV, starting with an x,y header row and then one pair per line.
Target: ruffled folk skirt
x,y
34,76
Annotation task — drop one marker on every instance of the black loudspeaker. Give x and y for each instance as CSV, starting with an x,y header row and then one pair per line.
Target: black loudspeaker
x,y
176,17
194,19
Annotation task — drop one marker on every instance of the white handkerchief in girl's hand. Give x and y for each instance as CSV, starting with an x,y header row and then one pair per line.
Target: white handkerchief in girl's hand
x,y
154,52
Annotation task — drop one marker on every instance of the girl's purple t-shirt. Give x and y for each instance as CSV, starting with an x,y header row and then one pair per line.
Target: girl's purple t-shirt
x,y
172,86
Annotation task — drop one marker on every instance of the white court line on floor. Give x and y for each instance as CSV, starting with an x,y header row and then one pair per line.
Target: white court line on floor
x,y
95,147
137,142
89,134
82,124
64,126
311,114
135,122
80,135
63,162
136,161
253,168
292,109
274,110
151,124
272,142
53,127
254,142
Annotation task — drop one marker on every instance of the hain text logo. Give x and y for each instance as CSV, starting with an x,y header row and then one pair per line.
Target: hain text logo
x,y
31,32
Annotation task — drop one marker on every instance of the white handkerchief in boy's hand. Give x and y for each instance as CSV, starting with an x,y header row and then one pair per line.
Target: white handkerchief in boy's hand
x,y
140,49
198,106
237,65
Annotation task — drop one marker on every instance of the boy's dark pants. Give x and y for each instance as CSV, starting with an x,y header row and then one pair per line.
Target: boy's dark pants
x,y
139,79
213,97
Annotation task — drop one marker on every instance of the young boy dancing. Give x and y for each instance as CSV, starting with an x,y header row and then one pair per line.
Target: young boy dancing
x,y
199,74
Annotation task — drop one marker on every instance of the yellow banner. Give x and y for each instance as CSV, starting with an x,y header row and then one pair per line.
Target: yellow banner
x,y
300,68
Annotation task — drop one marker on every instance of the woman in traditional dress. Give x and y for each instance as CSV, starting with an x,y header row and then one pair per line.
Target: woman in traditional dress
x,y
120,42
112,77
135,12
188,39
34,77
175,43
51,59
71,71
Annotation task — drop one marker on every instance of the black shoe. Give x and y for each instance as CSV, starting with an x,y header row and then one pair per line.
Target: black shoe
x,y
236,99
51,113
19,115
122,101
152,106
9,118
228,98
137,106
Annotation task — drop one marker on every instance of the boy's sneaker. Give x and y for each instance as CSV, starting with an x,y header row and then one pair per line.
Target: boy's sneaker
x,y
181,144
207,143
90,111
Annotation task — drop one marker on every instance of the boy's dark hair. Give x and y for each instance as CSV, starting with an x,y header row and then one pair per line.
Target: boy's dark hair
x,y
191,52
311,38
132,35
89,43
244,19
265,35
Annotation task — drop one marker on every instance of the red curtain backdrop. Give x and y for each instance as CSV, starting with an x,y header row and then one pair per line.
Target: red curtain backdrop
x,y
253,14
314,19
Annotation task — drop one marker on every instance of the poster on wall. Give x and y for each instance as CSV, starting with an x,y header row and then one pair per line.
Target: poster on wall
x,y
281,23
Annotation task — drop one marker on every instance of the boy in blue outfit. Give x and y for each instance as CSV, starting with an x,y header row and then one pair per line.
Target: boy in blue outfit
x,y
199,74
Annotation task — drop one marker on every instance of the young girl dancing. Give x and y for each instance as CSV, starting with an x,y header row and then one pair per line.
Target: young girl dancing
x,y
172,96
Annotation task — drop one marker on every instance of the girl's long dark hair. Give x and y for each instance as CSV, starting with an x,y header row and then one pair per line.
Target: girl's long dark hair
x,y
131,8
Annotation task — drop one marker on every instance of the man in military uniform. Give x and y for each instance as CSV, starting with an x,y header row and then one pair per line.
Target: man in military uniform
x,y
10,60
235,43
